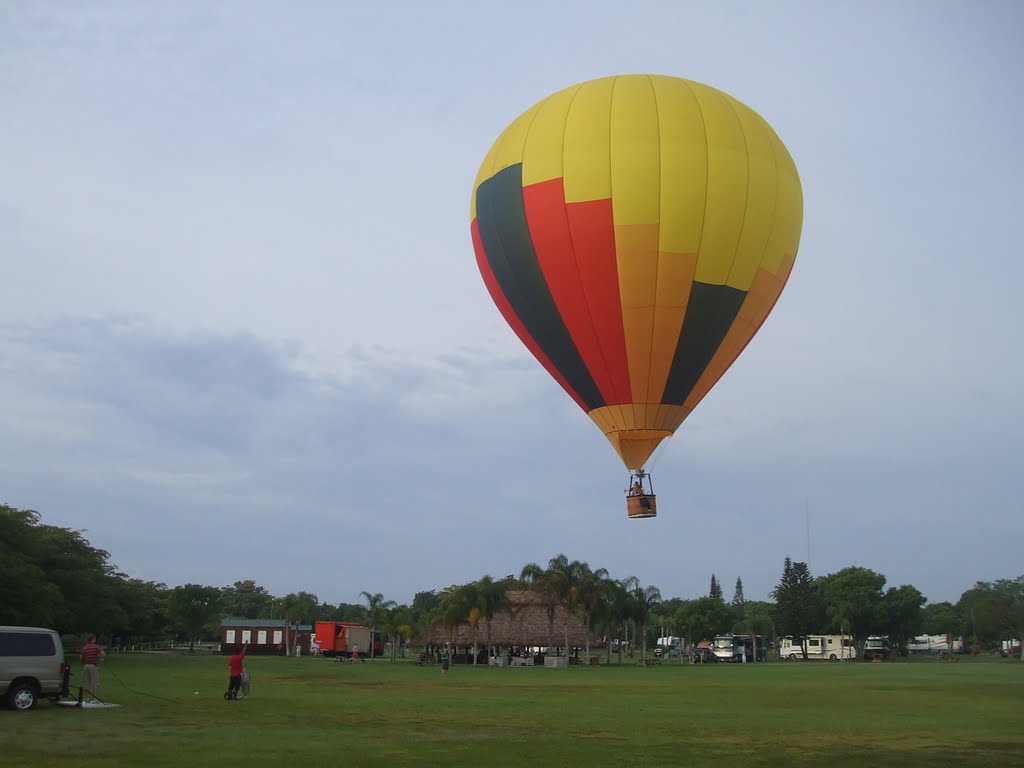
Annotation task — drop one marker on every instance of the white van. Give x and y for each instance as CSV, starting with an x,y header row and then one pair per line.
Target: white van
x,y
31,666
831,647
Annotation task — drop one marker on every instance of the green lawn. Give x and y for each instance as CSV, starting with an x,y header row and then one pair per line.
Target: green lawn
x,y
310,712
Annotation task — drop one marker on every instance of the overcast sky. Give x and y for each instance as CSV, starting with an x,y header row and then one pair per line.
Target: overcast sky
x,y
243,335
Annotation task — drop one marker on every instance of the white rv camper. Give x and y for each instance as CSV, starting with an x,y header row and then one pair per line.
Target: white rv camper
x,y
934,644
830,647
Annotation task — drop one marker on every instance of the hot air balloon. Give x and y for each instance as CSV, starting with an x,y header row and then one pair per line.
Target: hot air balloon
x,y
635,232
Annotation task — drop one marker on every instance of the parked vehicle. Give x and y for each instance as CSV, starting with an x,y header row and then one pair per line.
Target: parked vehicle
x,y
830,647
1010,648
32,666
739,647
877,648
342,638
670,646
703,656
620,645
934,644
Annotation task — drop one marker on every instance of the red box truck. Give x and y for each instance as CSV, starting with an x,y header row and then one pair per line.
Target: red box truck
x,y
342,638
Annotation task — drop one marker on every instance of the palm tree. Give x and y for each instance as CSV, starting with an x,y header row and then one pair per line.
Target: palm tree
x,y
597,606
841,615
453,609
470,602
376,613
515,611
397,622
759,625
643,600
584,594
406,631
542,583
616,612
493,598
564,577
587,595
296,607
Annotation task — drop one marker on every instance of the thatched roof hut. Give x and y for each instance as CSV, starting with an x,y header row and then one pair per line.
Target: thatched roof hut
x,y
524,623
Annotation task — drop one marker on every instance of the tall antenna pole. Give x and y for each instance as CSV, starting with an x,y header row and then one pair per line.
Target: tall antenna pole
x,y
807,518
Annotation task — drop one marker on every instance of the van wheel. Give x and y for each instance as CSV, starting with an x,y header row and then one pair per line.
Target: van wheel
x,y
22,696
792,656
832,657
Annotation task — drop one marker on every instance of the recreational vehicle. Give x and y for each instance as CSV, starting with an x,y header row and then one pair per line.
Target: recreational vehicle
x,y
877,648
829,647
739,647
670,646
934,644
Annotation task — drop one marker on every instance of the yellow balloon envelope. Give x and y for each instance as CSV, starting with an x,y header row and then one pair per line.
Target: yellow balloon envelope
x,y
635,232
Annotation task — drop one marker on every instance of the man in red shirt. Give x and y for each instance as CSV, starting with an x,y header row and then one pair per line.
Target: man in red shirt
x,y
91,656
235,666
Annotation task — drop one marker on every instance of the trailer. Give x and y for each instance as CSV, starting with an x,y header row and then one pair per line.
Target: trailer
x,y
342,638
935,644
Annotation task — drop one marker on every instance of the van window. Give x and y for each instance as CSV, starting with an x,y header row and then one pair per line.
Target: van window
x,y
27,644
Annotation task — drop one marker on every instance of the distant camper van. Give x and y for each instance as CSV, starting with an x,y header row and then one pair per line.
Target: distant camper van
x,y
827,647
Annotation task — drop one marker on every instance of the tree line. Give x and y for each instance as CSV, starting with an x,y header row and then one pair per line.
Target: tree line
x,y
54,577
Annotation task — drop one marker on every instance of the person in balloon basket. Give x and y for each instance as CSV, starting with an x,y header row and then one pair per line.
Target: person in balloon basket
x,y
91,657
636,489
236,665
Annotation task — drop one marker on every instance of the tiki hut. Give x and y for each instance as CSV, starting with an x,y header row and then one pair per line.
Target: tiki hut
x,y
524,624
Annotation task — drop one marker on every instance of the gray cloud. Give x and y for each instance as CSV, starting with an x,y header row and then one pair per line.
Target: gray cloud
x,y
173,446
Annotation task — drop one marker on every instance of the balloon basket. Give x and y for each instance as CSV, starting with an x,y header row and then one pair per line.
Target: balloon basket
x,y
641,506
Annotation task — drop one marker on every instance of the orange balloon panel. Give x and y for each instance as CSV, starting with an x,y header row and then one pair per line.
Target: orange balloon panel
x,y
635,232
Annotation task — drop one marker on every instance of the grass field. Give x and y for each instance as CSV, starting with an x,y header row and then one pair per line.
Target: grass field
x,y
312,712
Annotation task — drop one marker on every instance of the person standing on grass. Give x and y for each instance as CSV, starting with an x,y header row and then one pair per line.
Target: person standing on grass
x,y
91,656
236,665
446,657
